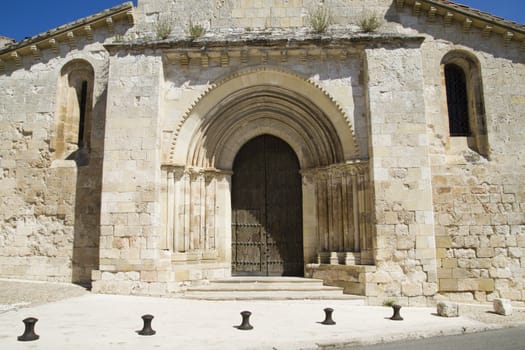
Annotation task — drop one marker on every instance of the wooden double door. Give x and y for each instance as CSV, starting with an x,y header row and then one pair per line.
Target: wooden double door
x,y
267,236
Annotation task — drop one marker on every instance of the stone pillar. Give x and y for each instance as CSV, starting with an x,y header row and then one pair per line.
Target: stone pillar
x,y
400,169
131,234
311,239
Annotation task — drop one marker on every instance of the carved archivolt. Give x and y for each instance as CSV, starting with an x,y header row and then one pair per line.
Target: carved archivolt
x,y
263,101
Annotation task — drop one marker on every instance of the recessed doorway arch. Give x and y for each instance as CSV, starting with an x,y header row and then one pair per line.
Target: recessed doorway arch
x,y
198,175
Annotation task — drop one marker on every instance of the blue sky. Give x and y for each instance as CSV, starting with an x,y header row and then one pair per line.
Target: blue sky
x,y
20,19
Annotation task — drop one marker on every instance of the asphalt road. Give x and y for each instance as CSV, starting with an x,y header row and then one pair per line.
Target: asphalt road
x,y
504,339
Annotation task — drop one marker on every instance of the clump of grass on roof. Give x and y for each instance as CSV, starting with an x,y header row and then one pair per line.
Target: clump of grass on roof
x,y
196,30
163,28
320,19
370,23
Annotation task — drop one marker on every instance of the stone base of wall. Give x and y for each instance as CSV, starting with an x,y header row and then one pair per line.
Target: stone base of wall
x,y
369,281
38,268
158,282
355,279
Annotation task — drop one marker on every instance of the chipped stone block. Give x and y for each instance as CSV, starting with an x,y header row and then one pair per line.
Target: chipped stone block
x,y
502,307
447,309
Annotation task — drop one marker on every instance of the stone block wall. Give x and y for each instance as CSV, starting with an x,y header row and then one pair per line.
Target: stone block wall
x,y
130,211
477,199
49,206
220,15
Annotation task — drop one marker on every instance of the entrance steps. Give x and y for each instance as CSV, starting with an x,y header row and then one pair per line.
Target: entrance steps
x,y
268,288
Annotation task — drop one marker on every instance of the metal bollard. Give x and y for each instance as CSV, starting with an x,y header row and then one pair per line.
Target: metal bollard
x,y
396,316
147,330
328,317
29,332
245,324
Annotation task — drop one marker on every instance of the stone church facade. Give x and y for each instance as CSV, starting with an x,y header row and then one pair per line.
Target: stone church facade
x,y
142,154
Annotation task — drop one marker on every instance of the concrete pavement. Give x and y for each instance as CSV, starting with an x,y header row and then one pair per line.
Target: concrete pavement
x,y
110,322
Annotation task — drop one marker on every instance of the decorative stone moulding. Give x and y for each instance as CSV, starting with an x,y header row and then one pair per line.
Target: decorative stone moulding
x,y
71,39
205,60
487,30
468,19
507,37
417,8
432,14
247,72
36,52
16,57
109,24
89,32
449,16
54,45
69,33
225,59
467,24
130,17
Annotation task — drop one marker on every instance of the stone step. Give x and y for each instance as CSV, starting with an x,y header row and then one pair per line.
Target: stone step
x,y
268,288
273,295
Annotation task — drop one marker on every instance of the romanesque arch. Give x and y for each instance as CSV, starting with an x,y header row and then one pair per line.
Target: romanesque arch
x,y
465,65
237,109
262,100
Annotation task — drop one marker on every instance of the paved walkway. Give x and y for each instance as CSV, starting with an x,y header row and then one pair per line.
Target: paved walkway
x,y
100,322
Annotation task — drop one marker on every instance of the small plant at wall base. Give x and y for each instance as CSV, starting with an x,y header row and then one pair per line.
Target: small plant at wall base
x,y
389,302
370,23
320,19
196,30
163,28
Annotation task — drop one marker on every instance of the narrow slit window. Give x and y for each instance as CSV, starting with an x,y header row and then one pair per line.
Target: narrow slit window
x,y
82,101
457,101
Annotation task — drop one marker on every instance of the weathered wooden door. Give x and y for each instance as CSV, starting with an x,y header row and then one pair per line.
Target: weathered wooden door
x,y
267,210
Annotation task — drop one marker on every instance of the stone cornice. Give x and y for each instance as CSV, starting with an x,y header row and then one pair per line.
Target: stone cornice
x,y
333,40
68,34
468,17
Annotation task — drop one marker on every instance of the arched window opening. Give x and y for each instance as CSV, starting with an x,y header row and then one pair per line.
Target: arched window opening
x,y
74,107
464,97
457,101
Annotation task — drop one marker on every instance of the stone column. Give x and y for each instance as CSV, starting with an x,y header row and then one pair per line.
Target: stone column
x,y
340,197
198,212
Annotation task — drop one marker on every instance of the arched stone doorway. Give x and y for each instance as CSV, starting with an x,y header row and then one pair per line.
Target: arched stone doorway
x,y
198,174
267,232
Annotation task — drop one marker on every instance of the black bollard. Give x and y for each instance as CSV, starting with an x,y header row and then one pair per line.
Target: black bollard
x,y
29,332
147,330
396,316
328,317
245,325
